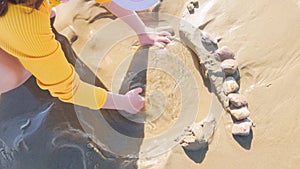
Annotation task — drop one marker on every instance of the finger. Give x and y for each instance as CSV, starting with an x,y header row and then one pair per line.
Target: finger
x,y
158,44
137,108
164,33
142,104
143,99
138,90
164,40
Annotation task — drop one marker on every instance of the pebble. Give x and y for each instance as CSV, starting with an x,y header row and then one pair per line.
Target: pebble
x,y
242,127
229,66
230,85
195,3
239,113
190,7
225,53
237,100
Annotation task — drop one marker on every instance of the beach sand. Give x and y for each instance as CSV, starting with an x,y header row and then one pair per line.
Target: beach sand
x,y
264,35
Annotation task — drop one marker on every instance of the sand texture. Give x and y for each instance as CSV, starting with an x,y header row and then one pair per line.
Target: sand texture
x,y
182,87
264,37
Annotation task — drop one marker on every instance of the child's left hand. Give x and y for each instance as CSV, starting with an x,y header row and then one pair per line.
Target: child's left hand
x,y
55,3
157,39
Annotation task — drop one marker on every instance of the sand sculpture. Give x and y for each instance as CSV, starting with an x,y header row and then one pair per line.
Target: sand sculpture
x,y
222,70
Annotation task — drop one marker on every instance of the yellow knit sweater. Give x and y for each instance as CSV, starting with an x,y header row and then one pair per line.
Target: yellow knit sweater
x,y
27,35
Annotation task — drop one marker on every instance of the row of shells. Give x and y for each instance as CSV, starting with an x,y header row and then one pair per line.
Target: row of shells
x,y
238,105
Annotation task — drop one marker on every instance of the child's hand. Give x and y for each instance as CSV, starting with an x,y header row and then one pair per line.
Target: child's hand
x,y
157,39
53,12
53,9
135,102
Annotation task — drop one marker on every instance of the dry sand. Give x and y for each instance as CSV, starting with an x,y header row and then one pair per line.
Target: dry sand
x,y
264,35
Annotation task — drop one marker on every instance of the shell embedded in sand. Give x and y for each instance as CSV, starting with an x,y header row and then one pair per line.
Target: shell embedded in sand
x,y
239,113
237,100
230,85
225,53
190,7
242,127
229,66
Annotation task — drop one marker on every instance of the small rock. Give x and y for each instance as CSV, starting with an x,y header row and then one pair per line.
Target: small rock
x,y
191,7
242,127
239,113
229,66
238,100
269,84
195,3
225,53
230,85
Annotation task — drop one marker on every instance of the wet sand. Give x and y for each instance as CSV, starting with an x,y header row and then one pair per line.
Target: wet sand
x,y
264,36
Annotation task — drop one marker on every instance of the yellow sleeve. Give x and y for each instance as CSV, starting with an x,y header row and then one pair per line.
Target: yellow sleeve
x,y
102,1
54,2
35,45
57,2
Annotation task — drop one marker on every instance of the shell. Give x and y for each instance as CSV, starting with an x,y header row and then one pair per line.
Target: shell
x,y
229,66
225,53
230,85
242,127
237,100
239,113
190,7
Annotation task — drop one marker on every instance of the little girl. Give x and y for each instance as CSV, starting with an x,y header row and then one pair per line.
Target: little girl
x,y
28,46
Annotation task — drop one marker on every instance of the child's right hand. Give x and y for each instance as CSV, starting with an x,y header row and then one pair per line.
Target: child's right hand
x,y
132,102
135,102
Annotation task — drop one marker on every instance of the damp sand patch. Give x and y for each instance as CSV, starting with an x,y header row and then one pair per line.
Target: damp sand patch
x,y
171,80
